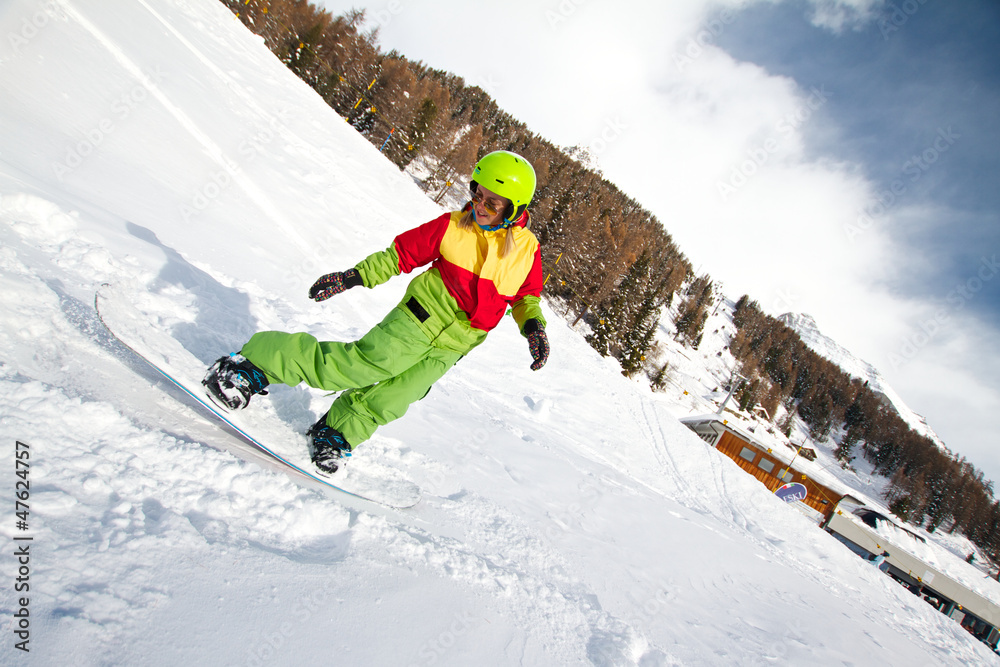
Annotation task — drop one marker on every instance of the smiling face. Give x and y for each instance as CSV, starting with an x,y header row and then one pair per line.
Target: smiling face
x,y
489,207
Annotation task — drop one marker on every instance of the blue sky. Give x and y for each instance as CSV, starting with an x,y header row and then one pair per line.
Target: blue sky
x,y
775,141
915,99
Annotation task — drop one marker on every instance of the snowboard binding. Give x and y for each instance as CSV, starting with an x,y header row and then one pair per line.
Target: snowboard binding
x,y
231,382
329,447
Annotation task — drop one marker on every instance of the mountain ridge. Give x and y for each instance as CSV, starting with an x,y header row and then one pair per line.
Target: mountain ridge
x,y
808,330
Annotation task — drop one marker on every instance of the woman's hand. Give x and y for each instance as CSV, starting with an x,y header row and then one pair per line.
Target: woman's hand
x,y
334,283
538,343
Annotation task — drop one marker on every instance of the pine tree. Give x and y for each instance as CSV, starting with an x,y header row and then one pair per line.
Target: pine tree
x,y
693,311
614,320
410,143
641,325
659,380
640,338
602,335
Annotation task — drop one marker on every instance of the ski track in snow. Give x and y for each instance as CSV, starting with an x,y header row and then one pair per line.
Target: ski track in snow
x,y
190,126
115,466
564,521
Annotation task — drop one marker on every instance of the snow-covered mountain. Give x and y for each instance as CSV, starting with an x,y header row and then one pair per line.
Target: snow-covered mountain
x,y
567,517
826,347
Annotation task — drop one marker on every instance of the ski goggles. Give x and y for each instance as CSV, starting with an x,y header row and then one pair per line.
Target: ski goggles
x,y
492,206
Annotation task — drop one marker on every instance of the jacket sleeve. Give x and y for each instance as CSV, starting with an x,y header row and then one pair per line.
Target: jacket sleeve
x,y
421,245
527,303
379,267
411,249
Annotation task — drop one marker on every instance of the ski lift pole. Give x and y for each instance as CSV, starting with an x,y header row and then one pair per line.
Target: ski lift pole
x,y
387,140
552,269
799,449
732,389
444,189
361,97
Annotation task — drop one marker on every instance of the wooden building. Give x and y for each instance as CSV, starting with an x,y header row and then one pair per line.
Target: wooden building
x,y
844,517
772,470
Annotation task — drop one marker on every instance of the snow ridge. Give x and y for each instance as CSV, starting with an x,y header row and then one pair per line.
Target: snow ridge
x,y
804,325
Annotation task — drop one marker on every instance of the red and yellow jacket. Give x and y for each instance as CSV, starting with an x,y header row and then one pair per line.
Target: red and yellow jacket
x,y
466,291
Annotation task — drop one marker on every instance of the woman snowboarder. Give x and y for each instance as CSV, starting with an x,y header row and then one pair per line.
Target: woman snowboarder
x,y
483,258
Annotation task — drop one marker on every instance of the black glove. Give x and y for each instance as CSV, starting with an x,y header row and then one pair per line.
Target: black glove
x,y
334,283
538,343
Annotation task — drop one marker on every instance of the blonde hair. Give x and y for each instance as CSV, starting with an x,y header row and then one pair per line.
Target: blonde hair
x,y
467,221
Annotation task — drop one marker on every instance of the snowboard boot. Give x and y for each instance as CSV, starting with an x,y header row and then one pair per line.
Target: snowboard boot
x,y
232,380
329,447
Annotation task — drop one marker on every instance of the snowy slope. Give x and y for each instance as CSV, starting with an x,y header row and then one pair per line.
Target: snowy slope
x,y
826,347
568,518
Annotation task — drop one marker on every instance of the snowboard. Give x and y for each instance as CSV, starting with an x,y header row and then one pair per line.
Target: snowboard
x,y
258,425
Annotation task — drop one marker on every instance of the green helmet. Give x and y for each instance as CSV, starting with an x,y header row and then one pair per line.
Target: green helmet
x,y
508,175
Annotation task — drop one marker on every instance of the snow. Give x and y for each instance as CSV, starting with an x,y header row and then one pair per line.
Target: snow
x,y
568,517
808,330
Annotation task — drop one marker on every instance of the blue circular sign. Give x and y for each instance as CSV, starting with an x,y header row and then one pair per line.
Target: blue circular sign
x,y
792,492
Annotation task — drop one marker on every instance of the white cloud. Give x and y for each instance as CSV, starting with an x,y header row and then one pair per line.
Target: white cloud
x,y
836,15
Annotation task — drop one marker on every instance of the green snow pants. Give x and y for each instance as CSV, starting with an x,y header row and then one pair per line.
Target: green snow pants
x,y
392,366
